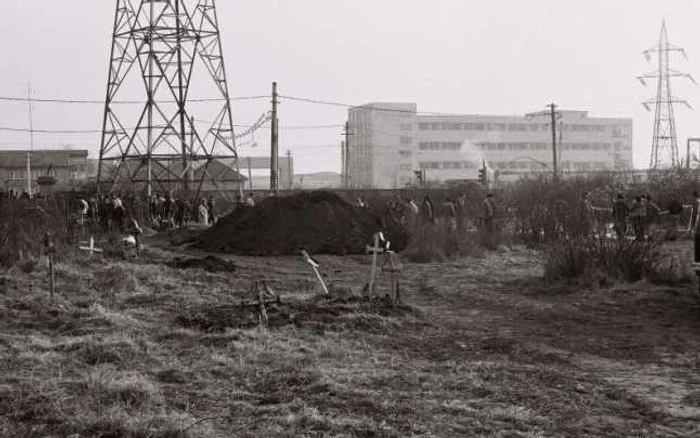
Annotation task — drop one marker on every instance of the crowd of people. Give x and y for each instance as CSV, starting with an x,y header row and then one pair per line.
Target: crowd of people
x,y
641,217
115,212
456,213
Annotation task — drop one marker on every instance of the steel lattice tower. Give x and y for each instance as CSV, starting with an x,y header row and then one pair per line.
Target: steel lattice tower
x,y
664,148
162,51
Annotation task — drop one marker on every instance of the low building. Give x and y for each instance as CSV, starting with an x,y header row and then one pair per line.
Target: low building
x,y
68,167
167,176
317,181
392,143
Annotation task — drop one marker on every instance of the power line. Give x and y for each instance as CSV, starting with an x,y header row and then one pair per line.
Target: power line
x,y
50,131
368,107
120,102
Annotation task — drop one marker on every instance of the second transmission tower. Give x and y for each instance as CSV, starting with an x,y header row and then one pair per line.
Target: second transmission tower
x,y
664,147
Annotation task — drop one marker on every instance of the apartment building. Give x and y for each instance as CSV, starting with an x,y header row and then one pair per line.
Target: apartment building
x,y
390,141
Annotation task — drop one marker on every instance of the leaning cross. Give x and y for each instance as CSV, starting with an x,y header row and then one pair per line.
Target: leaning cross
x,y
375,250
315,266
91,247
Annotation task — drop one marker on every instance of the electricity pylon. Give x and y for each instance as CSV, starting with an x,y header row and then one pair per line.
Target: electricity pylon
x,y
664,147
166,55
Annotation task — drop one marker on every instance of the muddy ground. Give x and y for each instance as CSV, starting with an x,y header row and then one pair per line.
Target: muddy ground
x,y
479,347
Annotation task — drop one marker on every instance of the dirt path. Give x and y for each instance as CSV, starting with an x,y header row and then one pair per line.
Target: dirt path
x,y
641,340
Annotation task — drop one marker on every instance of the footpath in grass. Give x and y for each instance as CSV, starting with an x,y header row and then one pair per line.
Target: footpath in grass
x,y
481,347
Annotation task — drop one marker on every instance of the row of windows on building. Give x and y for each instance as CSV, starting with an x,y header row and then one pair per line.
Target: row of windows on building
x,y
566,165
440,146
514,127
8,176
507,165
543,146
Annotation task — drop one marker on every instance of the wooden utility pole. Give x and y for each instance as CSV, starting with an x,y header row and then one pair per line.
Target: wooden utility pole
x,y
31,140
343,171
274,156
290,169
346,154
250,174
553,109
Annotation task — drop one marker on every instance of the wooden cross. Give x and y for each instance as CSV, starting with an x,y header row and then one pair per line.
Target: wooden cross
x,y
395,267
91,247
315,266
263,295
375,250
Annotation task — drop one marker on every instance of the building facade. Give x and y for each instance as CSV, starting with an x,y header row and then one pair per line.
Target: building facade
x,y
69,167
390,142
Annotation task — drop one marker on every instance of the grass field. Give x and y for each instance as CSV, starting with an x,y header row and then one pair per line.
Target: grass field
x,y
479,347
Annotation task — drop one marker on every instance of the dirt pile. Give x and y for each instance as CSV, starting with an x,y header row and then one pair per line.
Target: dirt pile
x,y
319,222
210,264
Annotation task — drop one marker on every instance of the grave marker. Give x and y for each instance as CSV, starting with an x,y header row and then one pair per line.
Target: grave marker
x,y
91,249
50,251
315,266
376,250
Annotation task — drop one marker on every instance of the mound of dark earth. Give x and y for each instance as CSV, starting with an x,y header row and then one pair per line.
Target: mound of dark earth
x,y
319,222
209,263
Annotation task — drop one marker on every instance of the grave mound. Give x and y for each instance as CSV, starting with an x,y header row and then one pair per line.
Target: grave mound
x,y
319,222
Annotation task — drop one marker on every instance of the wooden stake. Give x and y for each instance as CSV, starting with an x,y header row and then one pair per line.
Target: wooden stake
x,y
50,250
375,250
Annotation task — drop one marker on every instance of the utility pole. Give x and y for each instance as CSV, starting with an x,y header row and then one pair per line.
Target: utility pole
x,y
343,176
346,154
274,158
553,109
250,175
290,169
31,140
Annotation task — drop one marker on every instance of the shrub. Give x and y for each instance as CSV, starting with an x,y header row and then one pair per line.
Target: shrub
x,y
23,224
588,257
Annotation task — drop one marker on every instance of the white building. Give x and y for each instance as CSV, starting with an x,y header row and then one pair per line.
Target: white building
x,y
390,141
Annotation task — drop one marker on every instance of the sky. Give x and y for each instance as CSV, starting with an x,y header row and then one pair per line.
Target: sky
x,y
502,57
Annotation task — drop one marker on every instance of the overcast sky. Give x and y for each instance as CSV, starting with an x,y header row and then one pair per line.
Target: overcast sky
x,y
466,56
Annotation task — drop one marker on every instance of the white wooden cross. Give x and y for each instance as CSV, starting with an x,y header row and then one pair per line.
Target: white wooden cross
x,y
315,266
394,268
91,247
376,250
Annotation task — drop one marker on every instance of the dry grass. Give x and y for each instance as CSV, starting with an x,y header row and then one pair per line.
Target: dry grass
x,y
141,349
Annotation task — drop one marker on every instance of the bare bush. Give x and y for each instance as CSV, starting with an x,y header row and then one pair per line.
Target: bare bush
x,y
24,222
625,260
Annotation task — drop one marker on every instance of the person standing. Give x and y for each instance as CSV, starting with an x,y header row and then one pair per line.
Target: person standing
x,y
211,206
675,209
428,210
462,211
448,213
84,210
694,213
489,213
620,214
203,213
118,214
651,214
637,214
250,202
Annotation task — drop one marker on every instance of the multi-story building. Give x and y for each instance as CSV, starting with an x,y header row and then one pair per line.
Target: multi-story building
x,y
391,141
69,167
